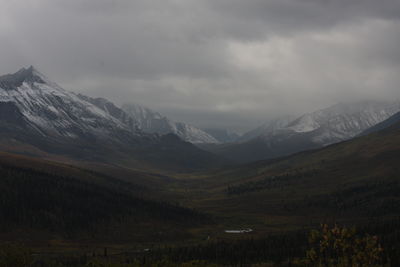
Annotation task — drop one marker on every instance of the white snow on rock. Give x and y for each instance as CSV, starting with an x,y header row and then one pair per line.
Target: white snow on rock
x,y
344,121
53,111
326,126
153,122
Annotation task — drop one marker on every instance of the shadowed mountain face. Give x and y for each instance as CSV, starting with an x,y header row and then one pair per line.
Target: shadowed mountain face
x,y
321,128
39,113
11,81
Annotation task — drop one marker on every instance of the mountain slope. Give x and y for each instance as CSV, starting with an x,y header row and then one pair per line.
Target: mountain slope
x,y
327,126
392,121
343,121
355,181
267,128
222,135
41,105
150,121
39,113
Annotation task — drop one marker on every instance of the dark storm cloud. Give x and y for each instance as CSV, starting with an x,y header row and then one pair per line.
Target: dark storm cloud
x,y
231,63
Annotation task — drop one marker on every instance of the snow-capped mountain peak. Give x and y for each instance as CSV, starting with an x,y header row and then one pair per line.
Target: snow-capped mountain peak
x,y
39,117
333,124
313,130
344,120
28,75
52,111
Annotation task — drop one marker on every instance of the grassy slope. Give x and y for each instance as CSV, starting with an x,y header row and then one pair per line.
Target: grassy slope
x,y
167,153
353,181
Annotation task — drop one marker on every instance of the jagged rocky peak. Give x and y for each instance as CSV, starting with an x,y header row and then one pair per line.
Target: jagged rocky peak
x,y
48,110
28,75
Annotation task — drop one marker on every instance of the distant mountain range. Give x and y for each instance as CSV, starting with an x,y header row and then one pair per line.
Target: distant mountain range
x,y
267,128
37,115
223,135
150,121
312,130
36,112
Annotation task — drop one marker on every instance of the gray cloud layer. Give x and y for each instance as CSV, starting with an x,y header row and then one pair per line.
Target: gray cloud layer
x,y
228,63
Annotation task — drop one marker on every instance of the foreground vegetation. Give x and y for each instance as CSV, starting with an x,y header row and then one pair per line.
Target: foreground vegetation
x,y
328,246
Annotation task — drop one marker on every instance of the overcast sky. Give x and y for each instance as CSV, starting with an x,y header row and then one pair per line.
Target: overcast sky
x,y
212,63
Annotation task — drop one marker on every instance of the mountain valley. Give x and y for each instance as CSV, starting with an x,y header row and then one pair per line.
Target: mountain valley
x,y
79,173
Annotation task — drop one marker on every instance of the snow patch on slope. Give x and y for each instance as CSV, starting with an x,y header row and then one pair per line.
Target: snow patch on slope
x,y
53,111
337,123
153,122
305,124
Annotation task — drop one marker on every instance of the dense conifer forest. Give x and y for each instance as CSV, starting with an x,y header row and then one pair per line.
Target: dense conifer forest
x,y
61,204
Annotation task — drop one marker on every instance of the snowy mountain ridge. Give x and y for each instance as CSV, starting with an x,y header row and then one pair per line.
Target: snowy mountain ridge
x,y
285,136
53,111
326,126
153,122
343,121
40,118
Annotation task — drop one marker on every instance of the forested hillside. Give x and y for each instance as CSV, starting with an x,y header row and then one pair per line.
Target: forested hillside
x,y
49,198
